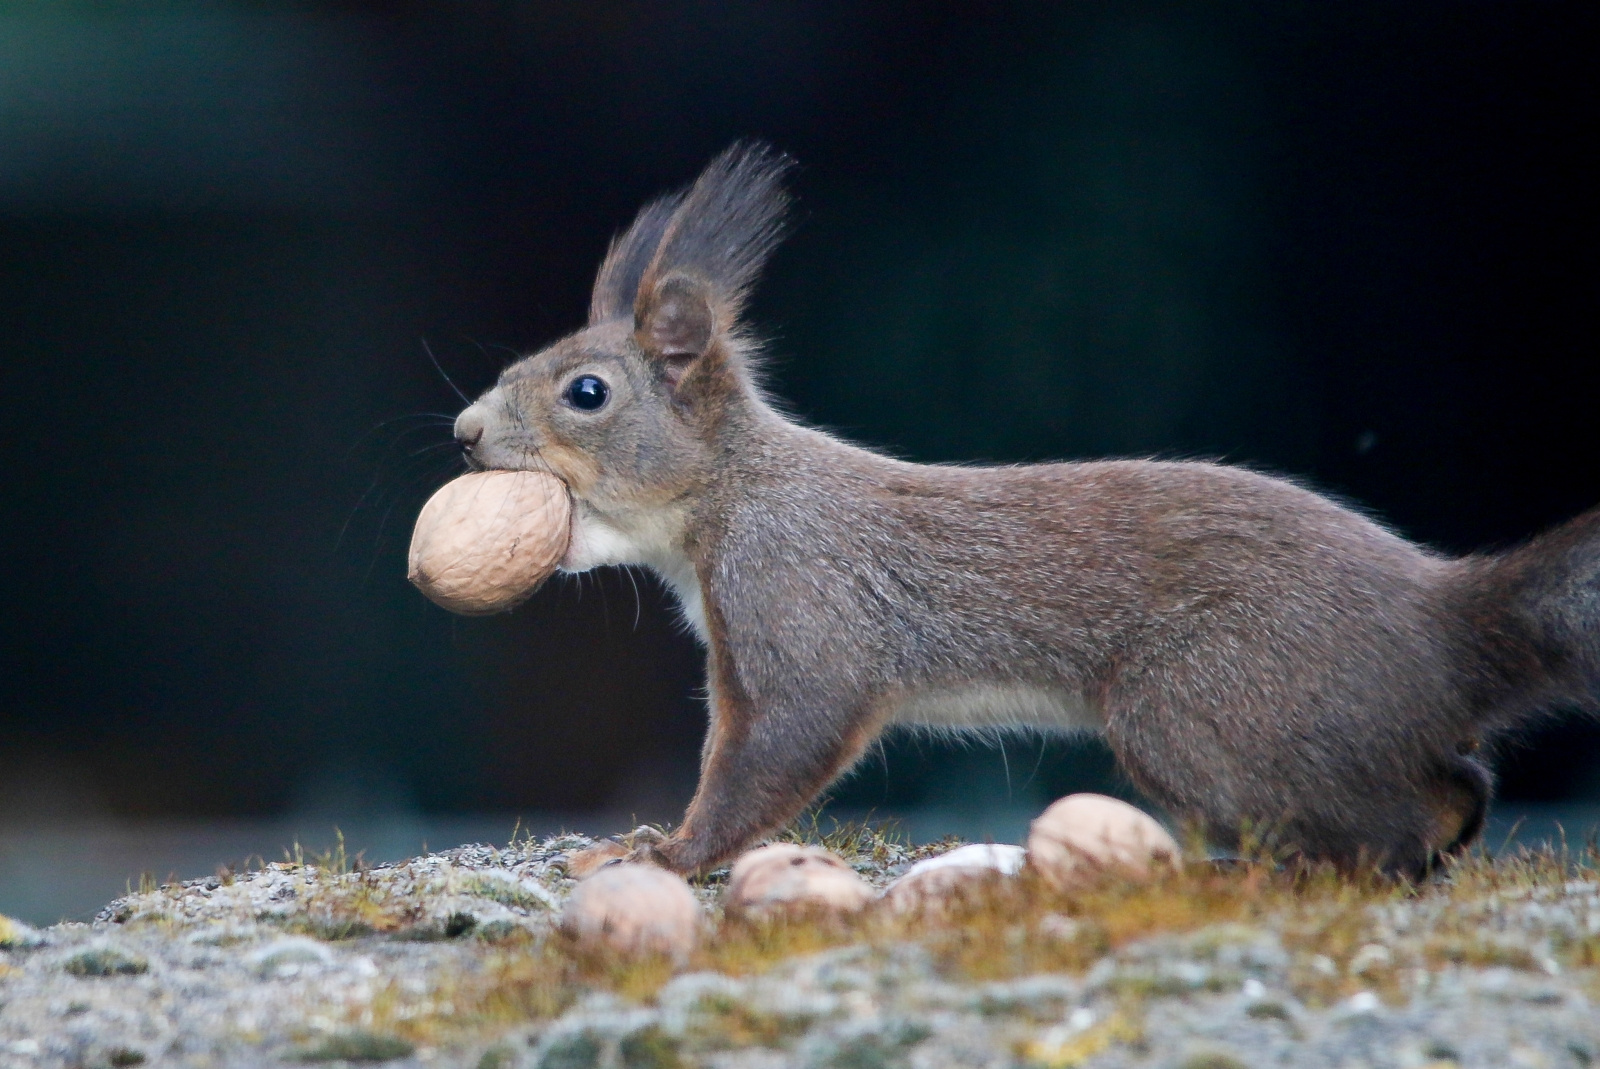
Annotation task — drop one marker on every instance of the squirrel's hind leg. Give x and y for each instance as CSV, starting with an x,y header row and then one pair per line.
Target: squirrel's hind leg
x,y
1302,793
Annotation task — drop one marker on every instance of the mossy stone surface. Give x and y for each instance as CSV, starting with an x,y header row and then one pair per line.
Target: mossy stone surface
x,y
454,960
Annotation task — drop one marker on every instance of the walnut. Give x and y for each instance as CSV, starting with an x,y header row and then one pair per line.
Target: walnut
x,y
634,909
1082,836
785,877
485,541
931,885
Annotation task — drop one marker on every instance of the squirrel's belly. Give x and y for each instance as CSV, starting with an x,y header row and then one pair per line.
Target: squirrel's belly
x,y
998,705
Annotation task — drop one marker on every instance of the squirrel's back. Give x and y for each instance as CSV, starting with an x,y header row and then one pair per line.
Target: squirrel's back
x,y
1056,566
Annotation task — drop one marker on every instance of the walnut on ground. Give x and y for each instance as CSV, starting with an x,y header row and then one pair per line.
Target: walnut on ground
x,y
1083,836
785,877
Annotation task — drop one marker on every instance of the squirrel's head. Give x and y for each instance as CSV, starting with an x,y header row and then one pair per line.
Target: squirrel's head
x,y
629,411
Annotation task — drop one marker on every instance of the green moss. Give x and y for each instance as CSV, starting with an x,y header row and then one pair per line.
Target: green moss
x,y
503,932
1212,1060
723,1023
1269,1011
498,1057
864,1052
506,893
1439,1051
649,1048
105,963
357,1047
579,1050
331,929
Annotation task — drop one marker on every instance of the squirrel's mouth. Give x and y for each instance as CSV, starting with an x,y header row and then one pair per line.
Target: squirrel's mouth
x,y
495,453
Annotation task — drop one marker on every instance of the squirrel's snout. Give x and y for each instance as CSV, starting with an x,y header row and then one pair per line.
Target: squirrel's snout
x,y
469,428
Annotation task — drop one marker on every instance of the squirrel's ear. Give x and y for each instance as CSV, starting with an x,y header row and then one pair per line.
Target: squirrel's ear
x,y
617,284
674,323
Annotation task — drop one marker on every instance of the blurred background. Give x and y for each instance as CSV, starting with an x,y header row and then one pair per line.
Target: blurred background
x,y
1344,242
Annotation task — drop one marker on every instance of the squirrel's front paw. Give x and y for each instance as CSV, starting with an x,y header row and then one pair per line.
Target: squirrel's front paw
x,y
653,854
638,845
584,863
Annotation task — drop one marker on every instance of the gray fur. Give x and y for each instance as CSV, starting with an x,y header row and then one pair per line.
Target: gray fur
x,y
1261,659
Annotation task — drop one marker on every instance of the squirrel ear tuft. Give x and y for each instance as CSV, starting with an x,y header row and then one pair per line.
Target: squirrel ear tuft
x,y
617,285
723,228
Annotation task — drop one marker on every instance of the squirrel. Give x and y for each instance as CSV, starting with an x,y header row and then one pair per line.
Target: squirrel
x,y
1257,656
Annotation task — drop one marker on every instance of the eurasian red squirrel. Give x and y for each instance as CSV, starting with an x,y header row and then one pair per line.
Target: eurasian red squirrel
x,y
1257,656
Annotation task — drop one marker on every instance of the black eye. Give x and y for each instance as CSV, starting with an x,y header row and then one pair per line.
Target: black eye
x,y
588,393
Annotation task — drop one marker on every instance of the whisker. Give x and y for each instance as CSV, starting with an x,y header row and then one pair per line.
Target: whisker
x,y
436,366
378,479
515,354
883,757
436,418
394,443
452,444
1038,762
638,605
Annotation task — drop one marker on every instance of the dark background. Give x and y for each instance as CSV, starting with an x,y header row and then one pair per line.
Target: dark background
x,y
1346,242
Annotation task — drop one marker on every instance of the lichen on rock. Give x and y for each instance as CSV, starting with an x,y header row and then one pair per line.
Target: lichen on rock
x,y
454,959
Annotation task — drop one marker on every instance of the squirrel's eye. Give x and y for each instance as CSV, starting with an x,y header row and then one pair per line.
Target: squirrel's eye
x,y
588,393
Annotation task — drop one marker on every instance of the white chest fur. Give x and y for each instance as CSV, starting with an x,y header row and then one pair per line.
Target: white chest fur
x,y
650,540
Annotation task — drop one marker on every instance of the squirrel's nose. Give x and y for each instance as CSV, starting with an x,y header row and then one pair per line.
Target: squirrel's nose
x,y
469,427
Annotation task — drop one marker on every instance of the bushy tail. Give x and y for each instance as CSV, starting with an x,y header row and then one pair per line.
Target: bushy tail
x,y
1533,624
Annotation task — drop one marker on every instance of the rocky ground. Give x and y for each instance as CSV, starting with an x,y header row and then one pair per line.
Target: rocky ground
x,y
453,960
